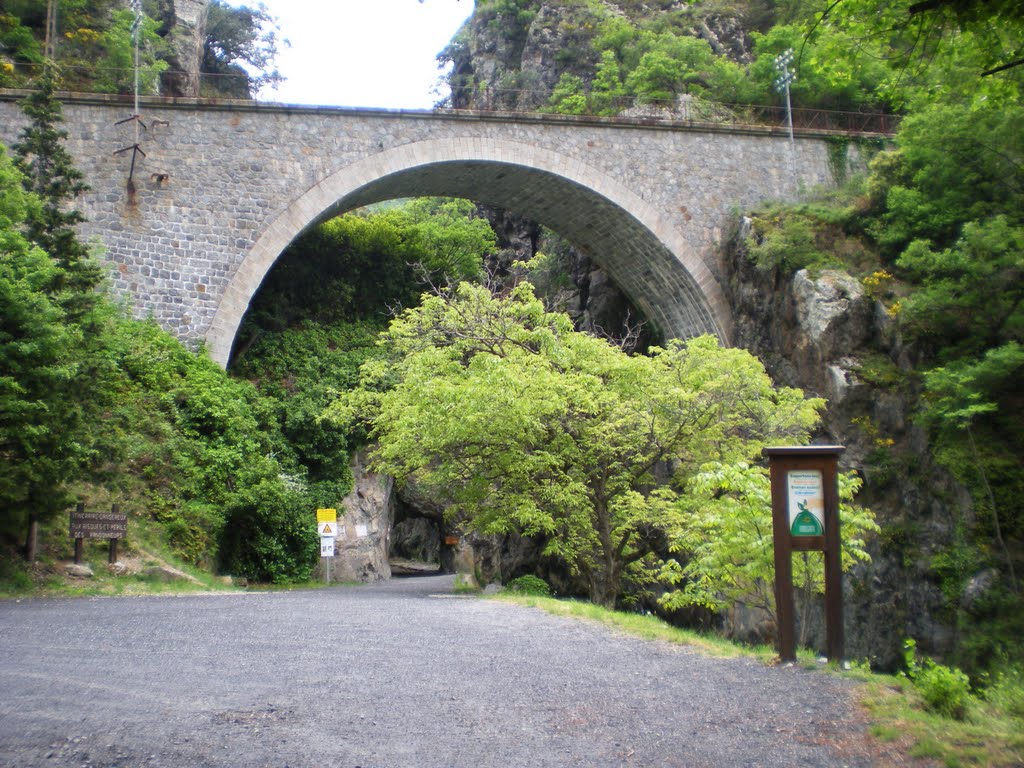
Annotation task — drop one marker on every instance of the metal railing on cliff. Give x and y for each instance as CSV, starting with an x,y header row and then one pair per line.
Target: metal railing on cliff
x,y
686,108
693,109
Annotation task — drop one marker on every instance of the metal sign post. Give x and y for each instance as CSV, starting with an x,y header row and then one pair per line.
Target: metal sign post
x,y
327,527
805,518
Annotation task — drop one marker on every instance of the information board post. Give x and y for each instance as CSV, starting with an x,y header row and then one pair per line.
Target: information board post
x,y
805,518
79,540
115,509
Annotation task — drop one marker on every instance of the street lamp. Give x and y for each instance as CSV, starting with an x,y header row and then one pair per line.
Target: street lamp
x,y
782,62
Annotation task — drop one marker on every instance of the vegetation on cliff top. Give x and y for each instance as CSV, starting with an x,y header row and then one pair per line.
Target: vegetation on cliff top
x,y
94,50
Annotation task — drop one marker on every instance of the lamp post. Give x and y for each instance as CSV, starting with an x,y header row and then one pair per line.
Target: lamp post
x,y
785,77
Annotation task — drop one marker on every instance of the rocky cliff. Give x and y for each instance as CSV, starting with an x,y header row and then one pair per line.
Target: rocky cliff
x,y
823,333
183,25
183,28
510,56
364,527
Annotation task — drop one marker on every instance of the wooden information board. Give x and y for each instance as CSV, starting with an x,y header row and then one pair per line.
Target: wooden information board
x,y
98,525
805,518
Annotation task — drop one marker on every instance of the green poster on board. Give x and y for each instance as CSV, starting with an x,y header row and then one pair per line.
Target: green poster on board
x,y
806,502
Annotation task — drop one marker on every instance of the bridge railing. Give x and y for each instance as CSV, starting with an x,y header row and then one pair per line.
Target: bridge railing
x,y
684,108
688,108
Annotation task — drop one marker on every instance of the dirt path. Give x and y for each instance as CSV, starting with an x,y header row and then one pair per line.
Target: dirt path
x,y
398,674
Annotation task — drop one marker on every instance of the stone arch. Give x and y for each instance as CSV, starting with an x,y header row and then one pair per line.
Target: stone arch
x,y
637,245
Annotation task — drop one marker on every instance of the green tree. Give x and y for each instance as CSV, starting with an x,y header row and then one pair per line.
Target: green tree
x,y
526,425
240,51
672,66
19,47
957,397
40,450
827,75
355,267
50,173
117,51
658,78
969,297
607,92
568,97
953,165
915,33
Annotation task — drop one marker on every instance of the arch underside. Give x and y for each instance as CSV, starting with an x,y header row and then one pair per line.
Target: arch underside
x,y
629,253
674,290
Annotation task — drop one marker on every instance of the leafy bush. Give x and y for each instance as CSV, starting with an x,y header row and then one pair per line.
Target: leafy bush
x,y
1007,692
529,585
193,532
945,690
269,534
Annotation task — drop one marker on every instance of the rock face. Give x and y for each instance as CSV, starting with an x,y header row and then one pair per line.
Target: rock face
x,y
416,538
185,25
183,28
576,286
513,61
364,527
822,333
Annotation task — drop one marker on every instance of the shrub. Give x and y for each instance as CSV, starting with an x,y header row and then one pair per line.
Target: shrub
x,y
529,585
1007,692
269,534
945,690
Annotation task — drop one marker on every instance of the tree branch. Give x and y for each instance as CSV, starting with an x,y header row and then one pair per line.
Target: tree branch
x,y
1003,67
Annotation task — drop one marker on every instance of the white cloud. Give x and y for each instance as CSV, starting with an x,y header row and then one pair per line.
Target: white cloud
x,y
363,53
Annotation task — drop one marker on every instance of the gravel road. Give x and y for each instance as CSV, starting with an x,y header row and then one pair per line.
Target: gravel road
x,y
399,674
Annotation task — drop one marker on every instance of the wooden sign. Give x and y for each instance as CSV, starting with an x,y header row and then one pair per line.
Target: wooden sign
x,y
98,525
805,518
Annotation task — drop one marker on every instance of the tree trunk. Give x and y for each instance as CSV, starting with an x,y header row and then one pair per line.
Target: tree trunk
x,y
604,585
31,538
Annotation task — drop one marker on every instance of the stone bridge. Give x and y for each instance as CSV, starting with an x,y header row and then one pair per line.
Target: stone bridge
x,y
223,188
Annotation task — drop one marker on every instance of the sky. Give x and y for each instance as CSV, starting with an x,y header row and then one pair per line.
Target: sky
x,y
362,53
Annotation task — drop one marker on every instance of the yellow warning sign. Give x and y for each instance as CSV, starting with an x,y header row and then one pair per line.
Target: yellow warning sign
x,y
327,515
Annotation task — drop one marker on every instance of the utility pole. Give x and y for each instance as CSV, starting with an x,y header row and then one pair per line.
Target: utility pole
x,y
782,62
51,30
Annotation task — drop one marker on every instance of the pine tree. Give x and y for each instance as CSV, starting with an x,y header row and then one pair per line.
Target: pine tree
x,y
51,174
61,383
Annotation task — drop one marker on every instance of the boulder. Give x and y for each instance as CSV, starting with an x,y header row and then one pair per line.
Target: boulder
x,y
78,571
165,574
